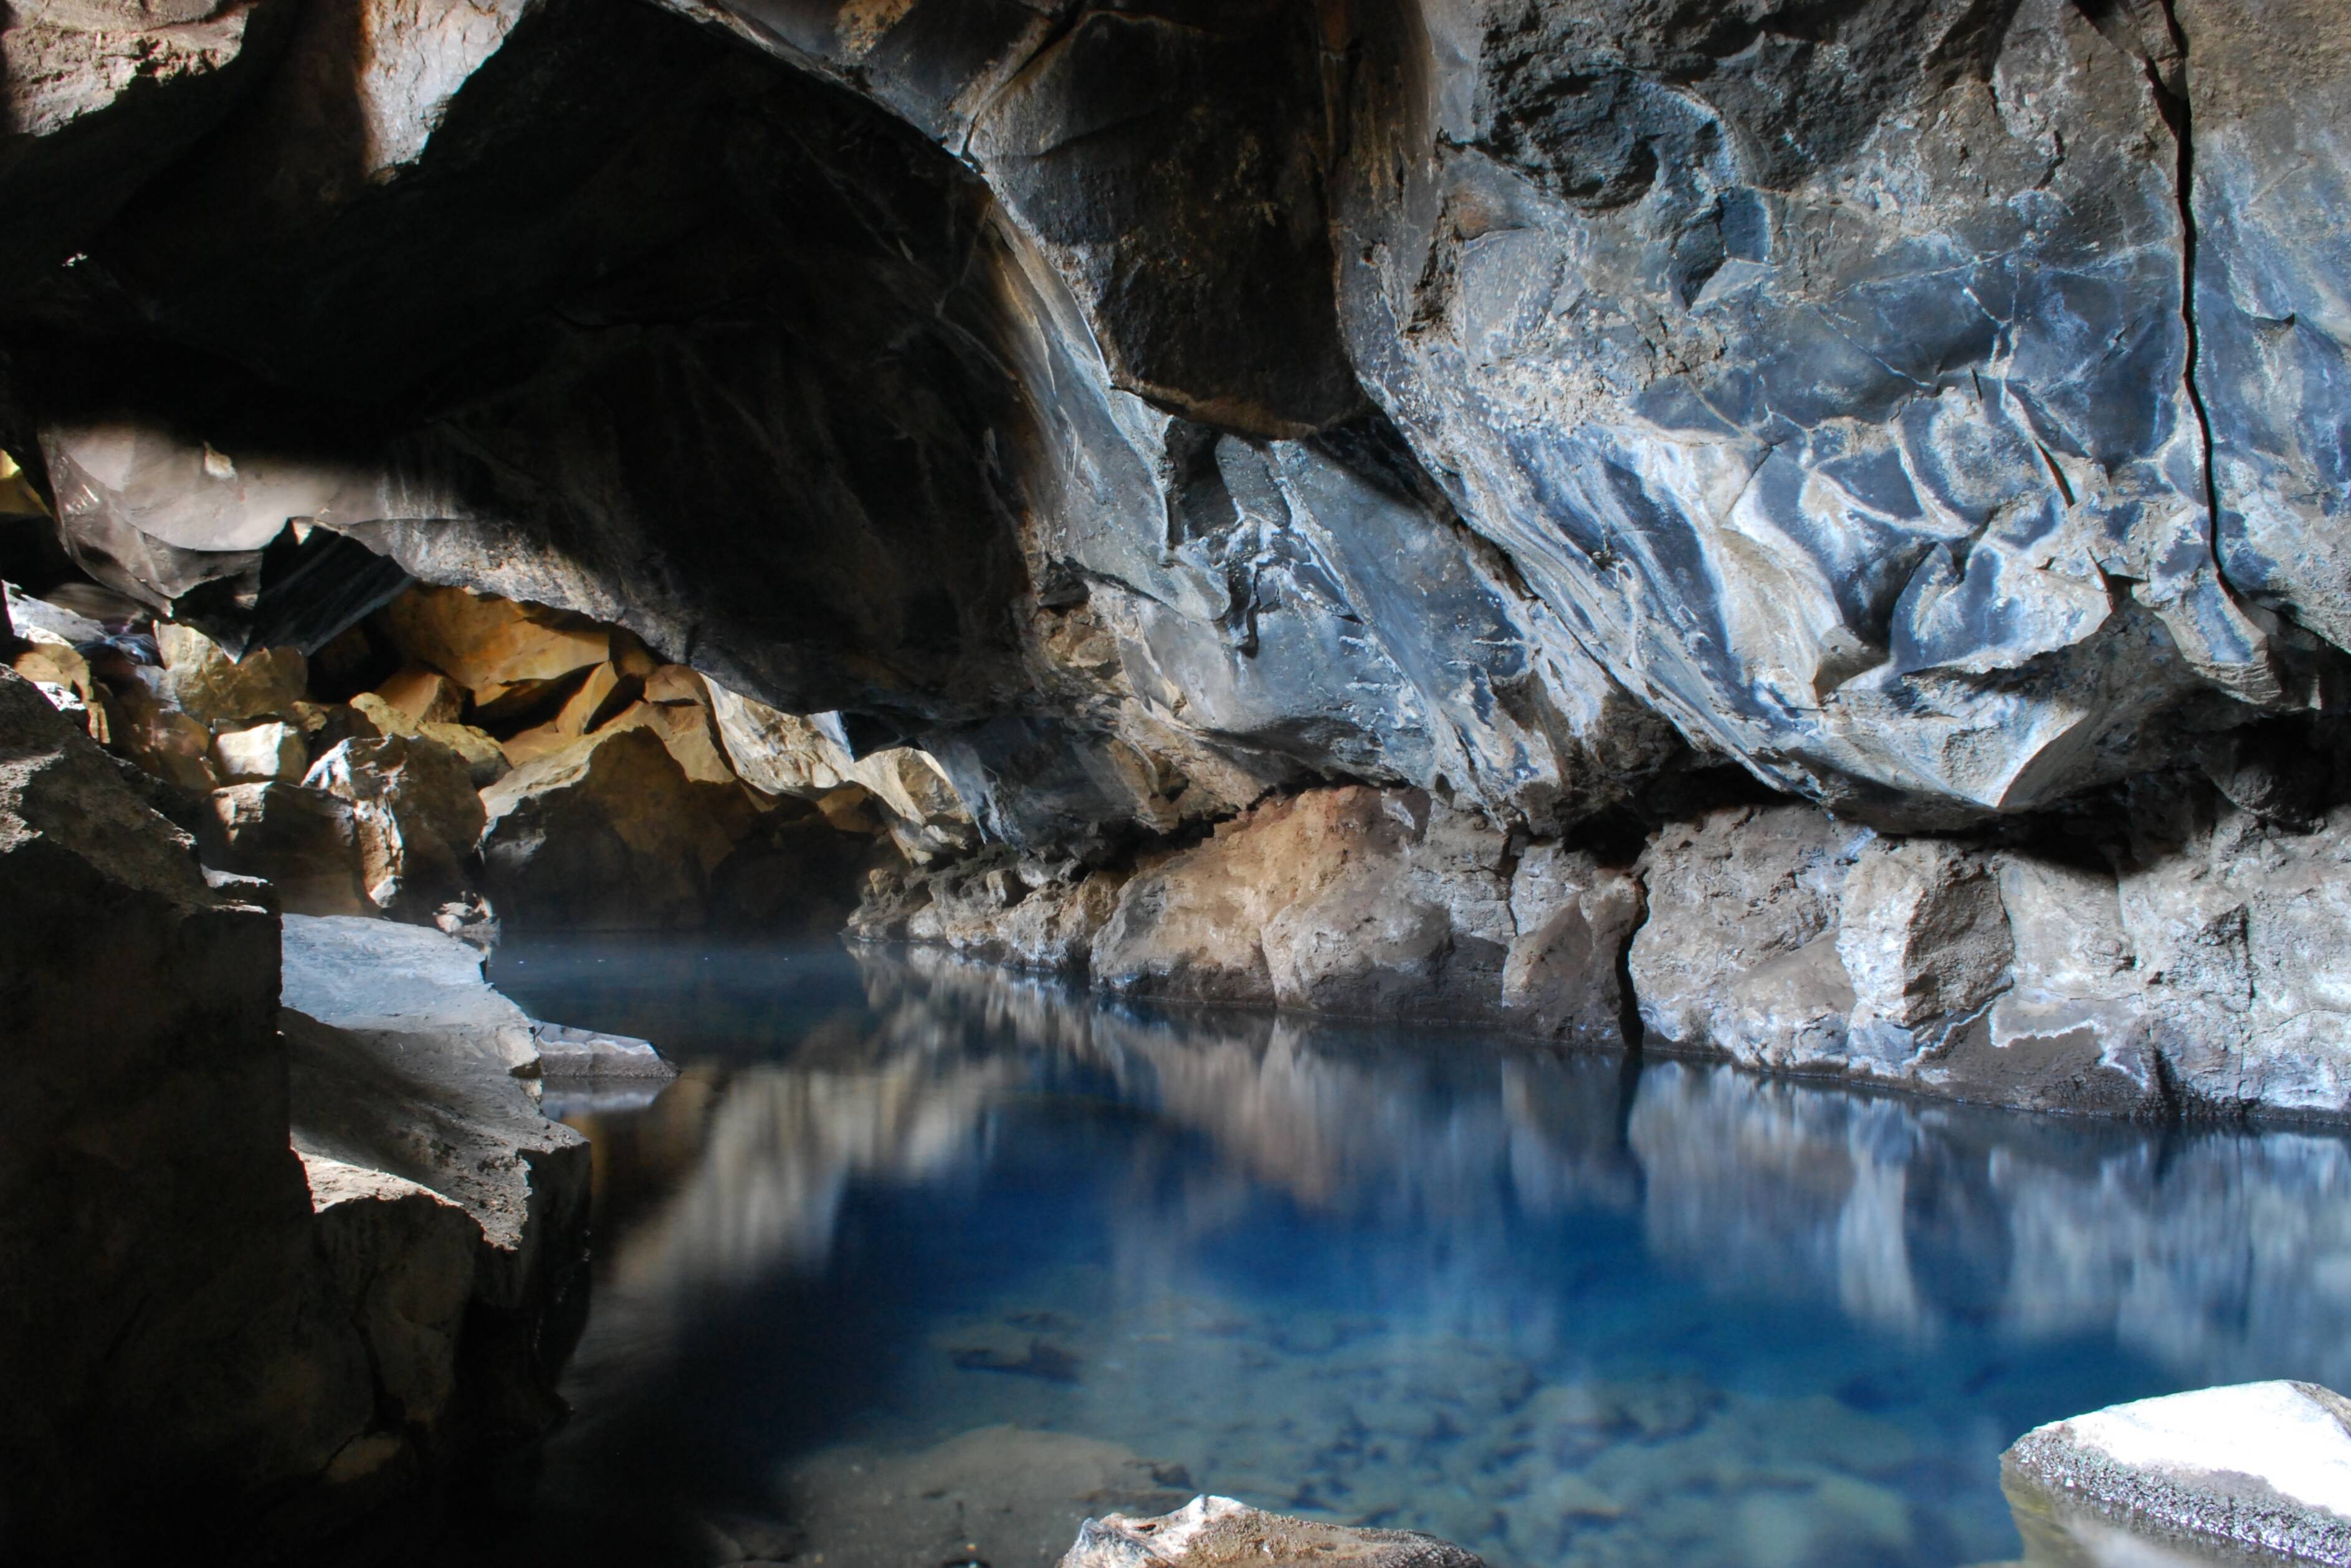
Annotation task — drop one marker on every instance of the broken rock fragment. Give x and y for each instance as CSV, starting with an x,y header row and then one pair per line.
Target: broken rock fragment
x,y
1218,1532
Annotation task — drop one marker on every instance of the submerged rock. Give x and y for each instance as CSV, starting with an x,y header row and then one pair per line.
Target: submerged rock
x,y
2259,1468
1217,1533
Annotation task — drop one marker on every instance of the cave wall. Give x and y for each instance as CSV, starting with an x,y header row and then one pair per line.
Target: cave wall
x,y
1930,407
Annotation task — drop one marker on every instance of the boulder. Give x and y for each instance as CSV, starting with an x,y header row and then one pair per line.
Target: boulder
x,y
1924,940
2258,1468
260,753
405,1060
208,684
422,697
400,1265
1218,1532
1031,914
304,843
608,834
417,814
787,754
1375,903
567,1052
494,647
162,741
686,728
485,762
1738,899
2200,968
161,1335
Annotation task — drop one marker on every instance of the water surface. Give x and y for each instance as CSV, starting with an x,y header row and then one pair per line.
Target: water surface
x,y
920,1262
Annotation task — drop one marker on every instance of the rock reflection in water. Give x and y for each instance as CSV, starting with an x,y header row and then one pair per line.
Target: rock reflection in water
x,y
1550,1307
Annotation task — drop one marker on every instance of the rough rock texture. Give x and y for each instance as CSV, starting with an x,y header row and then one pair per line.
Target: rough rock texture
x,y
304,843
1217,1533
1925,405
2191,963
1373,903
416,816
405,1061
608,834
143,1160
2263,1468
211,1345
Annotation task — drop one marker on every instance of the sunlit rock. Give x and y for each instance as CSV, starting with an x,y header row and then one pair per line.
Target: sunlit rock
x,y
261,753
2258,1468
417,816
304,842
1213,1531
215,689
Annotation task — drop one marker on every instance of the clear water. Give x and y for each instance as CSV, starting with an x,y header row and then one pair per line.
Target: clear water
x,y
1559,1307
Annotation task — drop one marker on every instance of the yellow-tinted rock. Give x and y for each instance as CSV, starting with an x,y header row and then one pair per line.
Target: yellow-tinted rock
x,y
686,728
485,760
485,642
602,697
216,689
608,834
303,842
162,741
424,696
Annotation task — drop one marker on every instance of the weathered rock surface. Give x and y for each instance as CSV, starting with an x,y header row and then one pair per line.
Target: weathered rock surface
x,y
1785,380
2260,1468
404,1061
608,834
143,1161
417,814
1375,903
1217,1533
2190,965
211,1344
304,843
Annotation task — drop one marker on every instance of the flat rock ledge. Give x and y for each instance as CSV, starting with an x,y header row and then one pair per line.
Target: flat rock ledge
x,y
1218,1532
2257,1471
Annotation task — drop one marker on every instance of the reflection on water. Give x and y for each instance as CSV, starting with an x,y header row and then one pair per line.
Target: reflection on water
x,y
1557,1308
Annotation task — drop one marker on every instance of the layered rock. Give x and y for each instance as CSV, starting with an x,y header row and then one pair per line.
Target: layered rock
x,y
404,1061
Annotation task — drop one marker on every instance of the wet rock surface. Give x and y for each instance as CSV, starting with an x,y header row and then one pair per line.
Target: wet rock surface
x,y
2263,1469
1217,1533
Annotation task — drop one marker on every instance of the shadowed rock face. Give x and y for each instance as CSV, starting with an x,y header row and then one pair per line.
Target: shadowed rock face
x,y
1927,403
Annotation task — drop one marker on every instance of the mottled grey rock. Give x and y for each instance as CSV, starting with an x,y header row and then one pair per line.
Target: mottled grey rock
x,y
2263,1468
1757,356
1217,1533
406,1060
1739,951
567,1052
416,814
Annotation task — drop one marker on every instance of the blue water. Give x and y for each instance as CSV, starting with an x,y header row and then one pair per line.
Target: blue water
x,y
920,1262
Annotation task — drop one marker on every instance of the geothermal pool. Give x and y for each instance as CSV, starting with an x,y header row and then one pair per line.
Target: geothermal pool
x,y
920,1262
